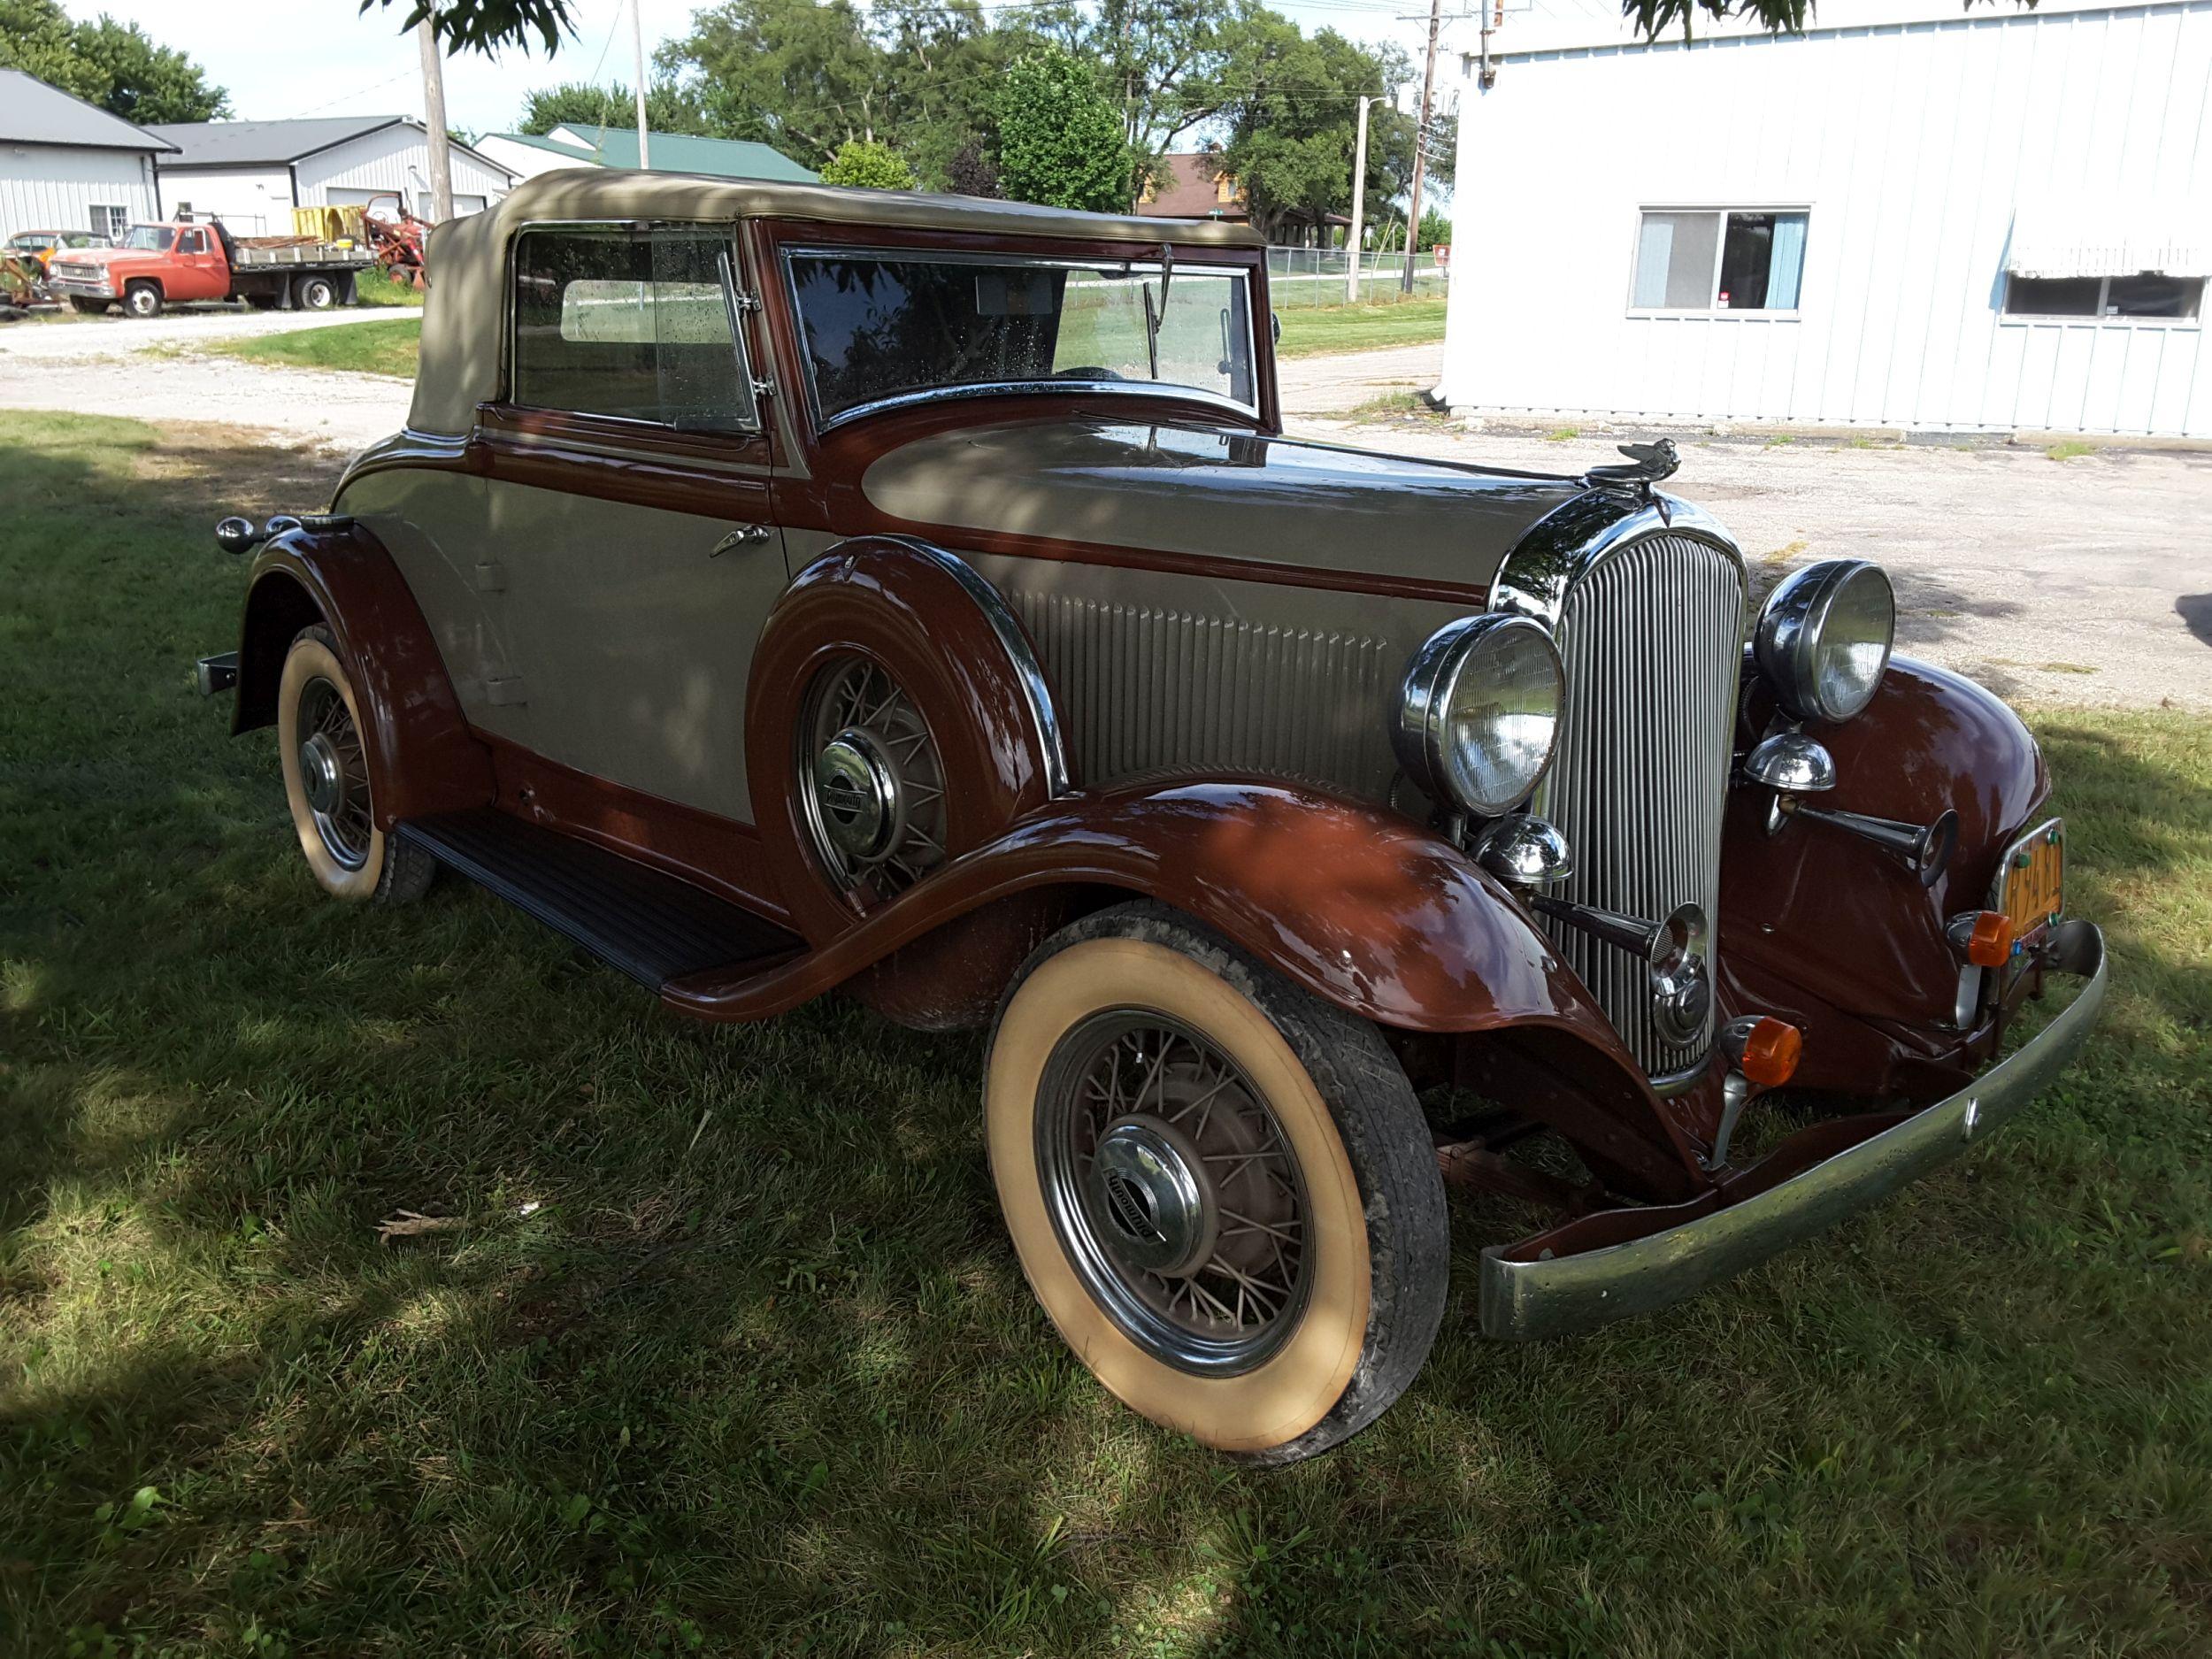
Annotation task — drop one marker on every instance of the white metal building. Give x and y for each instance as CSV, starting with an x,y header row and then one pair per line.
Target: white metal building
x,y
252,175
66,166
1904,217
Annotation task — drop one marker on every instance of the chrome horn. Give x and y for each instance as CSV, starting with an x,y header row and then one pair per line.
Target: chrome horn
x,y
1924,848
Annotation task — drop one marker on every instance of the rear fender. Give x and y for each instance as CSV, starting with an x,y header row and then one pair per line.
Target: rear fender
x,y
1358,905
422,757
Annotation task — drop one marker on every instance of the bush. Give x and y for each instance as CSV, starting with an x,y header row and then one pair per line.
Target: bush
x,y
868,166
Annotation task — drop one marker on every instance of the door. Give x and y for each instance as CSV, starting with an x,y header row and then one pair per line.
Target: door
x,y
199,271
628,507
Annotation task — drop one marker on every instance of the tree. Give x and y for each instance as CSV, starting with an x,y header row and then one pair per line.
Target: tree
x,y
112,64
1060,143
485,26
669,108
972,171
1435,228
861,165
1294,119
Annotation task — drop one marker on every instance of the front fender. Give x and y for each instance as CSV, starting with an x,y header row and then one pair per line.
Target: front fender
x,y
422,757
1361,907
1819,923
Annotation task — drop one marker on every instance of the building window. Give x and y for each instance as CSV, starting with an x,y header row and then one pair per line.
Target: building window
x,y
110,221
639,326
1718,260
2145,294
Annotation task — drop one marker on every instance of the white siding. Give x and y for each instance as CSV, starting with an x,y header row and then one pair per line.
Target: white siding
x,y
44,186
392,159
250,200
1911,145
527,161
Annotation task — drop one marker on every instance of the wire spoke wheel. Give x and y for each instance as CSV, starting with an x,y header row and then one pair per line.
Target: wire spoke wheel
x,y
873,781
334,773
1173,1190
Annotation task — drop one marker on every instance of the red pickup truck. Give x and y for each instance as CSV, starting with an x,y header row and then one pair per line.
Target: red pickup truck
x,y
156,265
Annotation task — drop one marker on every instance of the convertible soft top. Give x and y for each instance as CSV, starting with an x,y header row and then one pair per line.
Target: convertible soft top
x,y
467,273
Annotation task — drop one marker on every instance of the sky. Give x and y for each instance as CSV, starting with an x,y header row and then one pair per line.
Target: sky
x,y
326,57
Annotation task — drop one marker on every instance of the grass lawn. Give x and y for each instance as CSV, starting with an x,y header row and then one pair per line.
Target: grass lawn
x,y
1318,332
732,1354
382,346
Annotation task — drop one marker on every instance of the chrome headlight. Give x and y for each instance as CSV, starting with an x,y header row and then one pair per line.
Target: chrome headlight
x,y
1823,639
1479,715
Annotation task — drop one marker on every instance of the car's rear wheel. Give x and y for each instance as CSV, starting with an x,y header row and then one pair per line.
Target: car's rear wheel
x,y
1221,1188
142,299
315,293
325,753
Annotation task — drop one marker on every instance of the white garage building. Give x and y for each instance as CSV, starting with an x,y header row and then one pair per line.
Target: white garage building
x,y
252,175
1904,217
66,166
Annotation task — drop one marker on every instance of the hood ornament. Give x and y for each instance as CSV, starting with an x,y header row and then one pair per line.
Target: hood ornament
x,y
1648,463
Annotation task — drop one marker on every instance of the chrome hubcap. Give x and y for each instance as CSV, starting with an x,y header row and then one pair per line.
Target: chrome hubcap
x,y
334,773
1173,1190
872,785
321,774
1147,1181
862,808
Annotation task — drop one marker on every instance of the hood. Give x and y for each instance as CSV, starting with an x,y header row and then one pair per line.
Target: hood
x,y
1217,493
94,255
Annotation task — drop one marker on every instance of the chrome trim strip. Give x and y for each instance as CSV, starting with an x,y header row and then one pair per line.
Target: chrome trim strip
x,y
1571,1294
1037,692
1563,546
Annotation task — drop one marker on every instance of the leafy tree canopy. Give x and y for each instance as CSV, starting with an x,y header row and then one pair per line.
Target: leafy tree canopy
x,y
864,166
1293,110
669,108
1059,141
112,64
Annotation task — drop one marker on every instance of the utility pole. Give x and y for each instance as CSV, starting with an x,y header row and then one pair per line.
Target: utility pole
x,y
1421,139
1359,201
434,118
637,44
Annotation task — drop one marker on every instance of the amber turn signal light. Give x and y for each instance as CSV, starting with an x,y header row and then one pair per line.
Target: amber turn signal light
x,y
1771,1052
1989,940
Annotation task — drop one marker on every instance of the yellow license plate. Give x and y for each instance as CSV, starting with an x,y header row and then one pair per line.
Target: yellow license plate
x,y
2031,886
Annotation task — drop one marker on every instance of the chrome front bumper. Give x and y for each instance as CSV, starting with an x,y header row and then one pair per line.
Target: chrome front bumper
x,y
1566,1296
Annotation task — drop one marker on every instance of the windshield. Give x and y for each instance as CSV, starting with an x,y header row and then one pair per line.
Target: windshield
x,y
881,326
149,238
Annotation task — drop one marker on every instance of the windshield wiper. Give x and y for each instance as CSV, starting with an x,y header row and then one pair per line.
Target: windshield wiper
x,y
1152,318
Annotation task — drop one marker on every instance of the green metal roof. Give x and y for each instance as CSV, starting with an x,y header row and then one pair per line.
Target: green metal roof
x,y
674,152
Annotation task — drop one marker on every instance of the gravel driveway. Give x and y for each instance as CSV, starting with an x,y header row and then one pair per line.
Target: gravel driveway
x,y
2086,581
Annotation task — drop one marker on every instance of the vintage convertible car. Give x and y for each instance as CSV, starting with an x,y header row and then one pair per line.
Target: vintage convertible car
x,y
779,589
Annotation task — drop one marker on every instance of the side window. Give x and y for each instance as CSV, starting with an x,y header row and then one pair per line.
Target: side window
x,y
192,242
1718,261
637,325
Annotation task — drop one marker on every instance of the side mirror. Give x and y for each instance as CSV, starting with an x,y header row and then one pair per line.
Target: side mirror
x,y
236,535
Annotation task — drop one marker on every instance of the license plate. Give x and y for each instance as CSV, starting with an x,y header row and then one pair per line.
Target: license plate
x,y
2032,881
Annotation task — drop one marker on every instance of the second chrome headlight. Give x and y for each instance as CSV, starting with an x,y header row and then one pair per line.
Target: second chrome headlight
x,y
1822,641
1479,716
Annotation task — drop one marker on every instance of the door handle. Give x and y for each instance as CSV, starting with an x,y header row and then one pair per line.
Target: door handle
x,y
739,537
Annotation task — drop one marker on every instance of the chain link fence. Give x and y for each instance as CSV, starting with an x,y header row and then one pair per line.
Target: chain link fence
x,y
1302,277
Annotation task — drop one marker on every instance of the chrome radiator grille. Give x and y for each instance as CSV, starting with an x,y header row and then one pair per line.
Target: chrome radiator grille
x,y
1652,640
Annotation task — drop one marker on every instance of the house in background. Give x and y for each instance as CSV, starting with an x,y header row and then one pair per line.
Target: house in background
x,y
528,155
1194,187
66,165
252,175
1903,217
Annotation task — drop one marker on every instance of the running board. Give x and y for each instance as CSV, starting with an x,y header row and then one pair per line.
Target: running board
x,y
652,926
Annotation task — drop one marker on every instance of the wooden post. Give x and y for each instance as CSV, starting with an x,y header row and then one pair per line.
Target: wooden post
x,y
1420,142
434,118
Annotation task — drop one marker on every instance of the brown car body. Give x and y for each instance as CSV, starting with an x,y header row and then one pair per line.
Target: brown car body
x,y
1170,641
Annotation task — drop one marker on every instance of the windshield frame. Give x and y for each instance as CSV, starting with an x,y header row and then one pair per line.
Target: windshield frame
x,y
1137,257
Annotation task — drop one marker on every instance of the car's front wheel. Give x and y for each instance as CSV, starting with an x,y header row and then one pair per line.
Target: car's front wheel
x,y
142,299
85,307
320,739
1221,1188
